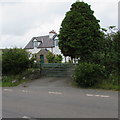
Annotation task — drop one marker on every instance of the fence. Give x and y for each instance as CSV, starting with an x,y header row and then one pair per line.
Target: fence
x,y
57,69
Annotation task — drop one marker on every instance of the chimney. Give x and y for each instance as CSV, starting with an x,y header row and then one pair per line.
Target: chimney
x,y
52,34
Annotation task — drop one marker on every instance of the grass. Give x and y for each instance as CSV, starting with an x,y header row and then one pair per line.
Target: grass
x,y
0,84
15,80
8,80
109,86
110,83
105,86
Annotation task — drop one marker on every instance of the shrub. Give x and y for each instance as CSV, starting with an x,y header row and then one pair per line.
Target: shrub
x,y
58,59
14,61
88,74
54,58
113,78
0,63
50,57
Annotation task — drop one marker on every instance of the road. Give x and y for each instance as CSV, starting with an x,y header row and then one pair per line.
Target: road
x,y
55,98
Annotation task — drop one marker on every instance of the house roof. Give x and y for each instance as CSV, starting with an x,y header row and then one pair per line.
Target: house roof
x,y
45,42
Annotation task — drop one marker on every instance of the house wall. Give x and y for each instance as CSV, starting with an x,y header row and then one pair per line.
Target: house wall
x,y
56,51
34,51
44,53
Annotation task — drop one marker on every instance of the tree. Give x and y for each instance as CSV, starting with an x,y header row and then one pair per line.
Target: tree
x,y
58,59
116,47
80,34
14,61
54,58
0,63
50,57
111,52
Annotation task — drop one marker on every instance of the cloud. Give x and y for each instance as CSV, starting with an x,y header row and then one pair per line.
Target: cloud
x,y
107,13
25,19
18,19
21,41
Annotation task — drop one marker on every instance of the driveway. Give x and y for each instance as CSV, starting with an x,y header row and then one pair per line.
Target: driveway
x,y
52,97
50,82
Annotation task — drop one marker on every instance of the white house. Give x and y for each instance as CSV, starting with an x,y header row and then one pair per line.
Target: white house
x,y
42,44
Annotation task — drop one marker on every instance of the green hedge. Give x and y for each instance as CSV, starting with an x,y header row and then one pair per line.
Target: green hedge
x,y
88,74
14,61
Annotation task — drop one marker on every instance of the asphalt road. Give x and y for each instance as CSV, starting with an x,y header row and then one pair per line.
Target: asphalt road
x,y
55,98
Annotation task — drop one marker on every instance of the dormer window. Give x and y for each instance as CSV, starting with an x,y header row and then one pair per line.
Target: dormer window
x,y
35,43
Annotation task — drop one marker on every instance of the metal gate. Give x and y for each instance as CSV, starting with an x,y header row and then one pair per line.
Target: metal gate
x,y
57,69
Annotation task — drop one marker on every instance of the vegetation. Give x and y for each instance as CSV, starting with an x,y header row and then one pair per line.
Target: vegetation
x,y
97,50
80,34
14,61
54,58
0,55
14,80
110,61
111,52
0,64
50,57
89,75
58,59
15,67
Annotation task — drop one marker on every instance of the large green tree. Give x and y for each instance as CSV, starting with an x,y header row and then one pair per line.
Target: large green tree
x,y
80,34
116,51
111,52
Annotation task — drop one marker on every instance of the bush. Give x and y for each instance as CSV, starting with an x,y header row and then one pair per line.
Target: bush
x,y
0,63
54,58
50,57
58,59
88,74
113,78
14,61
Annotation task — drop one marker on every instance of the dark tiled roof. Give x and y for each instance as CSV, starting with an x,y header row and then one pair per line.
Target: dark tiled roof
x,y
45,42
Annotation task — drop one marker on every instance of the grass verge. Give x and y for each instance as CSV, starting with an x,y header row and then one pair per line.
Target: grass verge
x,y
105,86
14,80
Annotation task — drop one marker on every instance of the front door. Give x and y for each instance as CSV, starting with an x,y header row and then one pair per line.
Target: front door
x,y
41,58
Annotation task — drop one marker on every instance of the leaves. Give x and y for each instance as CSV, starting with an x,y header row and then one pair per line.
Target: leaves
x,y
80,33
14,60
54,58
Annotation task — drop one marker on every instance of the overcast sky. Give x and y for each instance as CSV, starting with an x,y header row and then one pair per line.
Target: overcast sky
x,y
20,20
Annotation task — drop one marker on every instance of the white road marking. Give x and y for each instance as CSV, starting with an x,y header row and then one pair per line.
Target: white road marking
x,y
104,96
91,95
25,91
55,93
97,95
10,90
25,117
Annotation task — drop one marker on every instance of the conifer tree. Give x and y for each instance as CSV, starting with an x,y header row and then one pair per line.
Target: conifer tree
x,y
80,34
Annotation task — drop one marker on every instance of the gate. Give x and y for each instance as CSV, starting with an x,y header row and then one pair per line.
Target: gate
x,y
57,69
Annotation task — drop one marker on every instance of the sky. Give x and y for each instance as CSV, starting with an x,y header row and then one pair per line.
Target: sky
x,y
20,20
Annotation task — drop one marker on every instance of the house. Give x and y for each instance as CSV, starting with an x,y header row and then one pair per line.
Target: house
x,y
39,46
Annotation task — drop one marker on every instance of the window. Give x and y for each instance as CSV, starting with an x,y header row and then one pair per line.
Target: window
x,y
56,42
35,43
